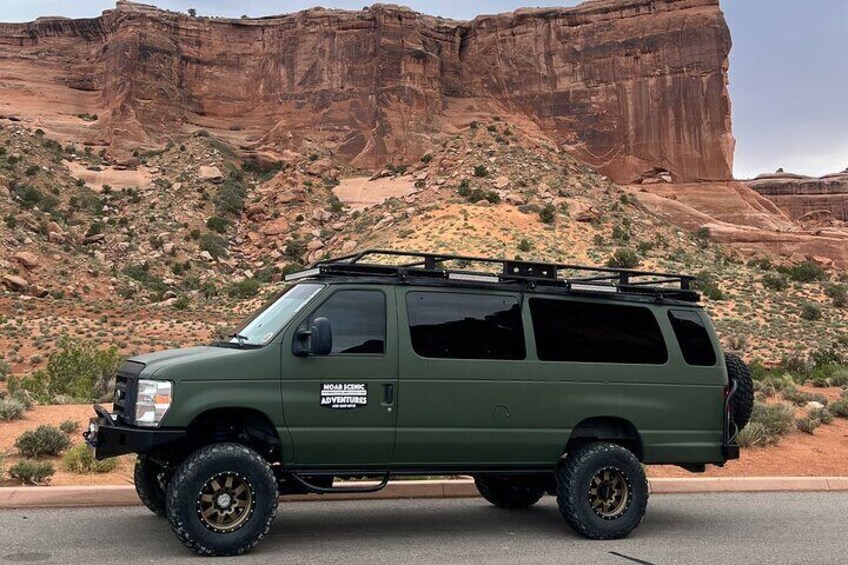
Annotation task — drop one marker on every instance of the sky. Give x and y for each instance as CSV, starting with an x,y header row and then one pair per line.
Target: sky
x,y
788,67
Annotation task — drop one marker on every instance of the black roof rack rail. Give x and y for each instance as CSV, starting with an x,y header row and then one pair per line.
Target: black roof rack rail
x,y
574,278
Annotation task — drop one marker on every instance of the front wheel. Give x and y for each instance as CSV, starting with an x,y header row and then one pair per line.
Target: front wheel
x,y
602,491
511,493
222,500
149,479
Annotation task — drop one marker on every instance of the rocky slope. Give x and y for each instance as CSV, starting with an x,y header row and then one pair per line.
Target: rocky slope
x,y
629,86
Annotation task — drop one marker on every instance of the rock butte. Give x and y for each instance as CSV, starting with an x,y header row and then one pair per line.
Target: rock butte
x,y
625,85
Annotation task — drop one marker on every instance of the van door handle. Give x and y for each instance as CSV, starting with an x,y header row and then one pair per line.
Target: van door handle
x,y
388,394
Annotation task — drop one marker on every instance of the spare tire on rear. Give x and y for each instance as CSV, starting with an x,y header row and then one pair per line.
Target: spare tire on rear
x,y
743,400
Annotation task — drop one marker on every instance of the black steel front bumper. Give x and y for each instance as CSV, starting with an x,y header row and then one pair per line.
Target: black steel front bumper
x,y
108,439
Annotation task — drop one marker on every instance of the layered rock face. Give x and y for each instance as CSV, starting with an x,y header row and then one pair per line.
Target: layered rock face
x,y
806,198
630,86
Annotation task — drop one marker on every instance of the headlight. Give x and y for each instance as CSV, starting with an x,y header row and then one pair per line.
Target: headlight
x,y
152,402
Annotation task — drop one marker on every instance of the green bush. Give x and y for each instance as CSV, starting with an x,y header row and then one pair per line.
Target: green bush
x,y
247,288
214,244
800,398
5,370
804,272
481,171
823,415
807,425
775,282
707,284
11,409
69,426
478,194
838,293
840,408
230,196
548,214
80,459
754,435
810,312
524,246
30,472
776,419
624,259
218,224
77,369
43,441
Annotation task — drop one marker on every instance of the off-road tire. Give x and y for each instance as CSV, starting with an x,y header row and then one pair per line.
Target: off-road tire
x,y
184,491
574,478
512,493
148,485
743,400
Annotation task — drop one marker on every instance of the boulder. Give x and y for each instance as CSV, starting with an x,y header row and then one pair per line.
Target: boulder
x,y
26,259
15,283
210,173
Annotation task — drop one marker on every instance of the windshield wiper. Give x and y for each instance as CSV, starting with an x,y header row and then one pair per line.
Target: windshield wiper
x,y
241,339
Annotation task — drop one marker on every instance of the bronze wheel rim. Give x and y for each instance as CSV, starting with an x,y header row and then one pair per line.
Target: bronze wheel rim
x,y
609,493
226,502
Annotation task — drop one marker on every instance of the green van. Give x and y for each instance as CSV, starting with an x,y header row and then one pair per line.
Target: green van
x,y
533,378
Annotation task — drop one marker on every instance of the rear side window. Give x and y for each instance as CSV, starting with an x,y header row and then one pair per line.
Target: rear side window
x,y
596,333
358,320
446,325
693,337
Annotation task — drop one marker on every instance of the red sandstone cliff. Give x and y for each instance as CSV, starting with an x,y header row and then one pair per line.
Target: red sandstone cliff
x,y
626,85
806,198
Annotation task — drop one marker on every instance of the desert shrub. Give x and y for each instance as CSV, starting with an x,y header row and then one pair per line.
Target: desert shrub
x,y
524,246
823,415
77,369
753,435
707,284
807,425
218,224
838,293
230,196
478,194
481,171
776,419
242,290
766,389
810,312
11,409
80,459
839,377
839,408
800,398
22,396
776,282
806,271
30,472
43,441
214,244
69,426
547,214
624,259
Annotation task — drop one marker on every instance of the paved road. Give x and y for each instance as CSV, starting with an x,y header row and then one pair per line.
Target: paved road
x,y
727,529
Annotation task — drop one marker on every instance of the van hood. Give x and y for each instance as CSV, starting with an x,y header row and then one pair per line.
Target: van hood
x,y
177,358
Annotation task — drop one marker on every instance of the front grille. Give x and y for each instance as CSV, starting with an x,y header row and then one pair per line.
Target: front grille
x,y
126,387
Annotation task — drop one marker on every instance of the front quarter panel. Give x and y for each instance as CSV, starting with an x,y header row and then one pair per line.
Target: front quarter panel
x,y
225,378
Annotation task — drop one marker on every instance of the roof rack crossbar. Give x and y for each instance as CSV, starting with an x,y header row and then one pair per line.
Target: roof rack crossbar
x,y
368,263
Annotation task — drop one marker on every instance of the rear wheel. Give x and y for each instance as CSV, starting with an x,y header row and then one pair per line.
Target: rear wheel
x,y
510,492
602,491
149,478
743,400
222,500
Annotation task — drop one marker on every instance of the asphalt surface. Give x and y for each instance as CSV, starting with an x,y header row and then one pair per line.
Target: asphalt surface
x,y
717,529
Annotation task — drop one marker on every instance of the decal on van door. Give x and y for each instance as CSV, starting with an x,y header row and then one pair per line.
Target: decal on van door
x,y
344,396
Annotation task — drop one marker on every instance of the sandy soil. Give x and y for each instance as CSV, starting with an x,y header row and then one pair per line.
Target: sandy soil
x,y
359,192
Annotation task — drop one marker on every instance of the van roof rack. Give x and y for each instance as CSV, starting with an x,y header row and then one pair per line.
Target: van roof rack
x,y
487,271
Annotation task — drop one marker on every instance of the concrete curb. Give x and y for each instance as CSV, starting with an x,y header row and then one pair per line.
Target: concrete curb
x,y
124,495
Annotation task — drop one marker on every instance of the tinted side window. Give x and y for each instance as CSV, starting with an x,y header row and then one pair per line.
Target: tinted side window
x,y
596,333
465,326
693,337
358,319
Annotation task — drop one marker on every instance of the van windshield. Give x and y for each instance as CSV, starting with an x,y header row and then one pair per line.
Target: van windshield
x,y
261,328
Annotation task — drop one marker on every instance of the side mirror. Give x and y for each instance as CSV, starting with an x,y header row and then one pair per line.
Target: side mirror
x,y
318,340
